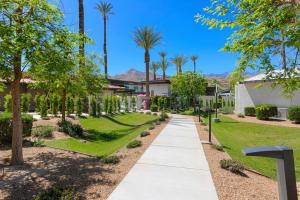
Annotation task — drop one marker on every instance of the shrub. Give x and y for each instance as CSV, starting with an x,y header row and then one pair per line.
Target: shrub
x,y
92,106
8,103
78,106
227,110
58,193
151,127
111,160
218,147
110,105
144,134
6,126
43,106
294,114
98,108
38,143
114,108
126,104
70,105
119,104
134,144
25,102
265,111
249,111
74,130
133,104
158,123
37,103
163,116
231,165
154,108
42,131
54,104
105,103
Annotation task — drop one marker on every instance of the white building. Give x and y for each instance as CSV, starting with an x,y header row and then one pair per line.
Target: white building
x,y
159,87
257,90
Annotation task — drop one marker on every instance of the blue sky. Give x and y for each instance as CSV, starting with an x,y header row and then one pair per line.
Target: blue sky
x,y
174,19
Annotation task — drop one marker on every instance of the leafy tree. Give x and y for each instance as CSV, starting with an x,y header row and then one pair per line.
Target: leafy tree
x,y
179,61
119,104
98,106
92,106
126,104
266,36
188,85
147,38
25,31
25,102
105,8
133,104
110,105
43,106
105,102
194,59
37,103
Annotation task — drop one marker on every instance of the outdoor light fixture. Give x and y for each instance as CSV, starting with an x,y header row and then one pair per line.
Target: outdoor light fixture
x,y
285,168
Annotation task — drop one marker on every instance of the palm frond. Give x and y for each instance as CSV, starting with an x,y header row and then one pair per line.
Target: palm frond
x,y
194,58
179,60
105,8
146,37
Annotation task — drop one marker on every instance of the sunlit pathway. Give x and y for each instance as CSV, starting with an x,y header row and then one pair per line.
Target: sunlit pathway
x,y
174,167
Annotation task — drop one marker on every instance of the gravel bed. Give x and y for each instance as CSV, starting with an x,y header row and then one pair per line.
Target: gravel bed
x,y
45,167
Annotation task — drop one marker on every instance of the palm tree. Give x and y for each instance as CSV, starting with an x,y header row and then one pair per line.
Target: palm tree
x,y
194,58
164,64
179,61
154,68
81,33
147,38
105,8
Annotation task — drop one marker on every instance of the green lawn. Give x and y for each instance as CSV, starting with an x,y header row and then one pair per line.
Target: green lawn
x,y
107,134
236,135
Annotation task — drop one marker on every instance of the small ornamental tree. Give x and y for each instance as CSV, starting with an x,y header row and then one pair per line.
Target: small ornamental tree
x,y
133,104
37,103
8,103
43,106
126,104
105,103
92,106
98,107
119,104
79,106
25,102
113,99
70,105
54,103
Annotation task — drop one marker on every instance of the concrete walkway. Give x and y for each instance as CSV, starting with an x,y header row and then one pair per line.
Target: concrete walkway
x,y
174,167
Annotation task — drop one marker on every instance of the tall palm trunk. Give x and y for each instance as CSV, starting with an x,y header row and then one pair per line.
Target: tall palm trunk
x,y
17,154
147,62
104,49
81,33
154,74
164,74
180,69
194,66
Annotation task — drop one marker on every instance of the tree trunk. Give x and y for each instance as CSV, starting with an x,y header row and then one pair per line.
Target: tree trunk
x,y
194,66
154,75
180,69
164,74
104,49
81,33
17,135
283,52
63,105
147,61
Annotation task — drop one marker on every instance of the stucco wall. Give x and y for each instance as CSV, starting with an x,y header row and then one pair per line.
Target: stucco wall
x,y
251,94
159,89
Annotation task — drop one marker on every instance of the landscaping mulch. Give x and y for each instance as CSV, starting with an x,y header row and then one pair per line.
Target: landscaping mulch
x,y
275,122
45,167
232,186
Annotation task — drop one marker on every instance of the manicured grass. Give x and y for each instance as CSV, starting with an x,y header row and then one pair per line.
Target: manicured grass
x,y
236,135
107,134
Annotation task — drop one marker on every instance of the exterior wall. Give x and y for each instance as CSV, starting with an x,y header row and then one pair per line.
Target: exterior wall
x,y
251,94
159,89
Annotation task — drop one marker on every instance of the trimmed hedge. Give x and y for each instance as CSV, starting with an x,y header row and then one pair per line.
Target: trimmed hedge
x,y
265,111
154,108
6,126
294,114
250,111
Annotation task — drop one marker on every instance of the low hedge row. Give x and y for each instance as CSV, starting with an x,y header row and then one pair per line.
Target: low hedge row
x,y
6,126
265,111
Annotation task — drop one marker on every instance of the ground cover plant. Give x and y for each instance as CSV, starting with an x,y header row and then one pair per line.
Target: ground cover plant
x,y
106,134
234,136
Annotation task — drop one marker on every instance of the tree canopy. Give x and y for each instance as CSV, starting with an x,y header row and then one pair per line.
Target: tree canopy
x,y
266,36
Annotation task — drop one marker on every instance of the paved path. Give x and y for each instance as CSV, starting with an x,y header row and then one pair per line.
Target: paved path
x,y
174,167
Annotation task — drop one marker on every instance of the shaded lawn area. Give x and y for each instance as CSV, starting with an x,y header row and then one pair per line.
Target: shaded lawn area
x,y
106,134
235,136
